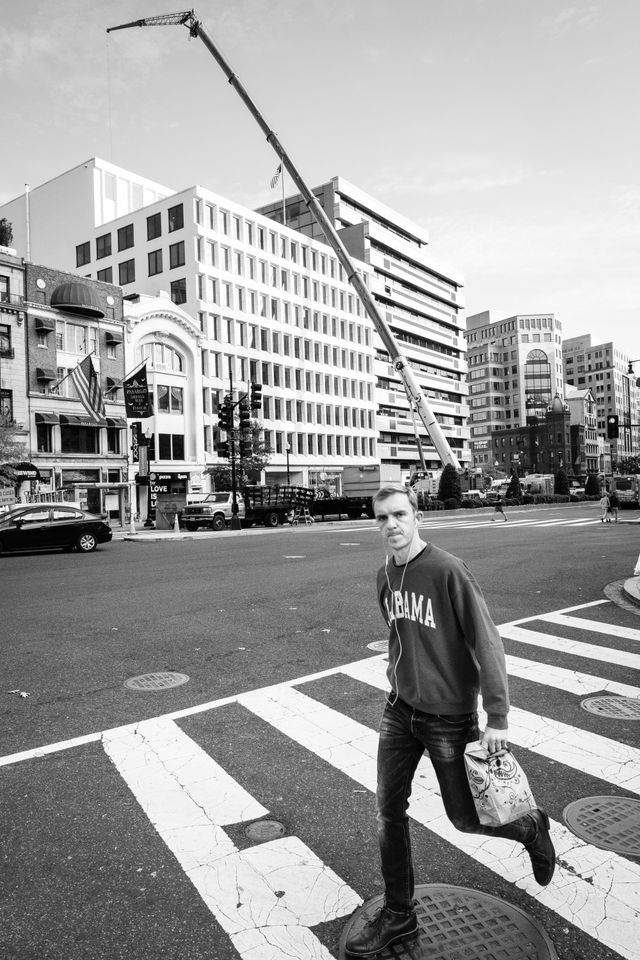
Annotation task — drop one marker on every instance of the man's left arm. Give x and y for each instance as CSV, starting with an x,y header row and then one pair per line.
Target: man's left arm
x,y
483,637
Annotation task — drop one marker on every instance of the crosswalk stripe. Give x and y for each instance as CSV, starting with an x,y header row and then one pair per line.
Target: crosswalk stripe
x,y
265,897
581,750
594,889
595,626
590,651
581,684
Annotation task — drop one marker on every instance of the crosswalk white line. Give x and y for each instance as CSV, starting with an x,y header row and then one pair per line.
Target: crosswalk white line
x,y
596,890
572,681
578,749
589,651
265,897
595,626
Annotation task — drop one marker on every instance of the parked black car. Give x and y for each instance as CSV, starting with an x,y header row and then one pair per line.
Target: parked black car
x,y
42,526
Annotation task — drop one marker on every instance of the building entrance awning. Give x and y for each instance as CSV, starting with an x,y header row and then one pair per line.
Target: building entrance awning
x,y
47,418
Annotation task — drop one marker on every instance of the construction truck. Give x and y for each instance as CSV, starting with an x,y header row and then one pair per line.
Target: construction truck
x,y
268,506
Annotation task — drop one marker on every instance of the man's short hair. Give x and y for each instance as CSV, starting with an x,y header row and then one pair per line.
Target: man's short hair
x,y
390,489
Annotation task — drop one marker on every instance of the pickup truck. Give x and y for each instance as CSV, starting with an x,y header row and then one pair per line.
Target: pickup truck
x,y
215,511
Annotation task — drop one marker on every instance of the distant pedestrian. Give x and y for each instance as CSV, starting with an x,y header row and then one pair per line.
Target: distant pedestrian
x,y
613,506
500,509
605,506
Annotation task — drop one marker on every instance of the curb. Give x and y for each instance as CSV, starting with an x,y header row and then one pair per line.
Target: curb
x,y
631,589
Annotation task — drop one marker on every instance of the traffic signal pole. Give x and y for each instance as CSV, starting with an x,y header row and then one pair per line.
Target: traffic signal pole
x,y
413,390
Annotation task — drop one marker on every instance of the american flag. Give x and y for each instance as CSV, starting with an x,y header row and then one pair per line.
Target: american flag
x,y
85,380
276,176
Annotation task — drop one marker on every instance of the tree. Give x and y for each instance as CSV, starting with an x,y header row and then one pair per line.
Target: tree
x,y
629,465
592,485
12,445
6,233
449,488
561,482
514,490
249,466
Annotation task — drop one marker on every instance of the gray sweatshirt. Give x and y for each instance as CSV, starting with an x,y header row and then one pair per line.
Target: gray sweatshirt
x,y
444,648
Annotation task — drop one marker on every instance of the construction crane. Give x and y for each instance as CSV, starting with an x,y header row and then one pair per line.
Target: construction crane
x,y
415,396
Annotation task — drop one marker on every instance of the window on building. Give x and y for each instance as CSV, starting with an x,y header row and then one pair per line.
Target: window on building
x,y
175,217
170,399
44,437
113,439
171,446
179,291
176,255
83,254
125,237
154,226
126,272
103,246
155,262
106,275
78,439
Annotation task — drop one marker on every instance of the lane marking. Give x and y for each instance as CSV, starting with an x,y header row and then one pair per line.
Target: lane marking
x,y
572,681
595,890
595,626
576,648
265,897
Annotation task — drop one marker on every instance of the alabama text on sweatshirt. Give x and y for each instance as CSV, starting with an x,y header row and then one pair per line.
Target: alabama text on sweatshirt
x,y
444,648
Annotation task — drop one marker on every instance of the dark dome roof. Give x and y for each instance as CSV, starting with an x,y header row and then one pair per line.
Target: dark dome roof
x,y
75,297
557,405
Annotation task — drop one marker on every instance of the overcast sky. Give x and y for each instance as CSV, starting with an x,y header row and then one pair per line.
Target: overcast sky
x,y
507,128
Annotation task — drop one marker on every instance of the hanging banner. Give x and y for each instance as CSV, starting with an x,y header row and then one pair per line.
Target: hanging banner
x,y
136,394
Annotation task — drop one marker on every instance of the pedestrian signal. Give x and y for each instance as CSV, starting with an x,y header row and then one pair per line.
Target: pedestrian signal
x,y
223,449
612,428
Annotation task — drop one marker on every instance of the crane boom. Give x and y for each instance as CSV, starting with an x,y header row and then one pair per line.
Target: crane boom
x,y
414,393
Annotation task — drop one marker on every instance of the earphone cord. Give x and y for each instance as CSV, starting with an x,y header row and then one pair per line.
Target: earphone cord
x,y
393,702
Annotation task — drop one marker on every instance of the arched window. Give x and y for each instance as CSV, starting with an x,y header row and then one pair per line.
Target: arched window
x,y
160,356
537,379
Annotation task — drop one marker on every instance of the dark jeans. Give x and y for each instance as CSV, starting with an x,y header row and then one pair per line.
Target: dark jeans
x,y
405,734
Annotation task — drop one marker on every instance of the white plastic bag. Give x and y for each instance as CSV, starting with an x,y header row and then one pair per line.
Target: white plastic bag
x,y
498,784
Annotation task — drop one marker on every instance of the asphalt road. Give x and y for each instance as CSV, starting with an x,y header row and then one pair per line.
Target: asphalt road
x,y
90,871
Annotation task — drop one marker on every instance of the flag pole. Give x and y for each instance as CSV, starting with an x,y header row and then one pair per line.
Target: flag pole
x,y
284,206
58,382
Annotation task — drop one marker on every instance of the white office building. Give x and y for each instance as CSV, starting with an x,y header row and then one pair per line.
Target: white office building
x,y
421,301
270,305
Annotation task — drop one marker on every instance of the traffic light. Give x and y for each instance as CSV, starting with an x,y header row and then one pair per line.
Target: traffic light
x,y
244,414
223,449
226,416
256,395
612,428
246,445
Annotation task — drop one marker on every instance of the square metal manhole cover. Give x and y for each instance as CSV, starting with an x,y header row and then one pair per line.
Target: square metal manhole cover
x,y
156,681
611,823
617,708
459,922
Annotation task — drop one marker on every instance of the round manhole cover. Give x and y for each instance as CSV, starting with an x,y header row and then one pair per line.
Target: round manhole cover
x,y
611,823
619,708
381,646
262,830
156,681
459,922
